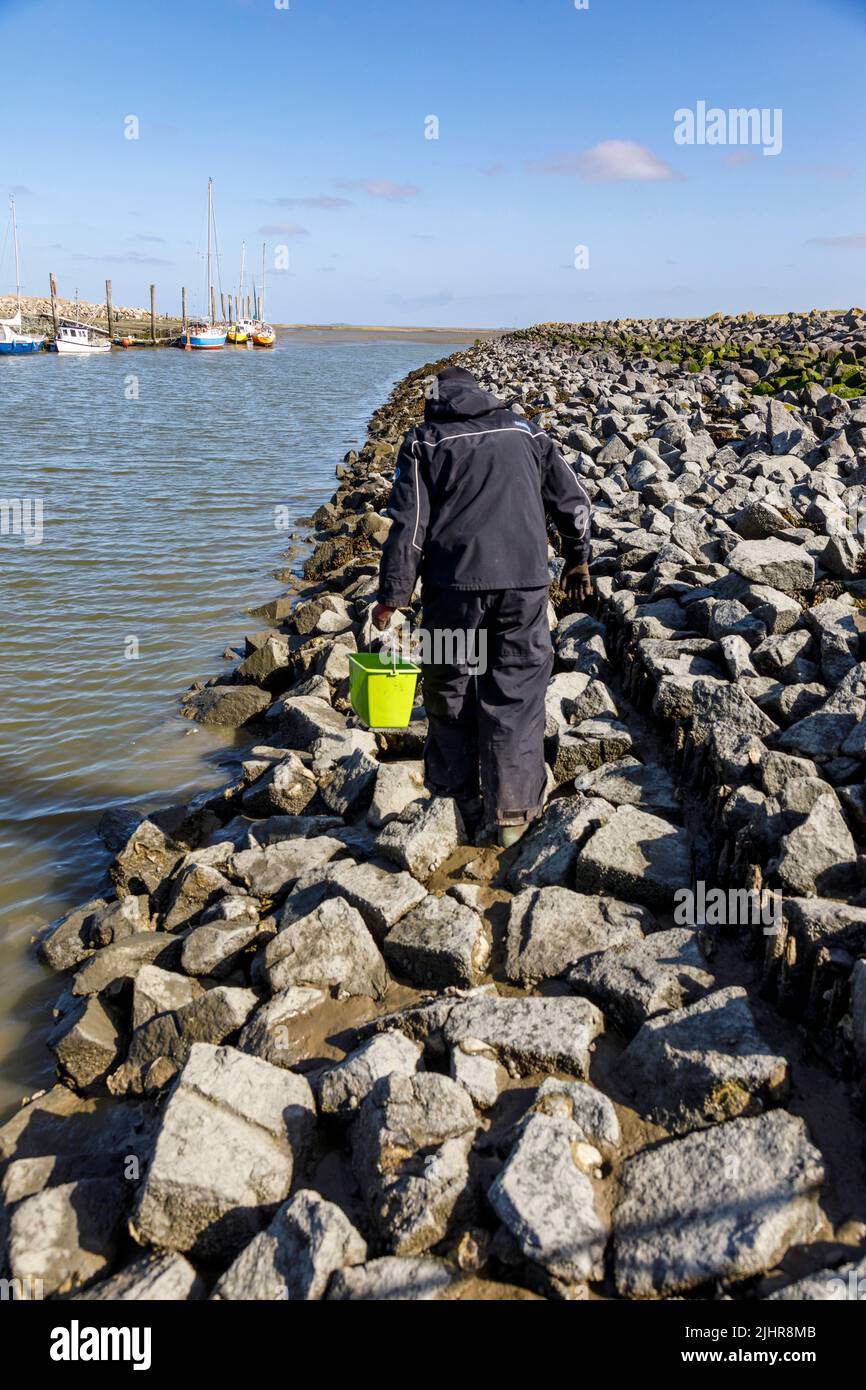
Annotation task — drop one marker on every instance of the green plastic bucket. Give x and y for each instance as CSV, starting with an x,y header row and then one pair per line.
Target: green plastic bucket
x,y
382,693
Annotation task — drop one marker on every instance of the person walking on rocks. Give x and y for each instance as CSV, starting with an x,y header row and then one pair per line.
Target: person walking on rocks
x,y
472,489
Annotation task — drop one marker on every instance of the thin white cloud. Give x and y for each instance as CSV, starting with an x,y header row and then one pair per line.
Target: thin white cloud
x,y
857,242
611,161
282,229
327,202
382,188
128,258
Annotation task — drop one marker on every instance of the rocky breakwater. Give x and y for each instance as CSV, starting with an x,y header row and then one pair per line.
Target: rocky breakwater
x,y
312,1044
36,312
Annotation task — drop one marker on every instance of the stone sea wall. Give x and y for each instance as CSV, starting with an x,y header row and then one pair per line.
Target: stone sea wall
x,y
312,1044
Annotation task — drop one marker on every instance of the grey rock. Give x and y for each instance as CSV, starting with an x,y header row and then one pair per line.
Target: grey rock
x,y
818,856
398,786
302,720
847,1284
549,849
573,696
126,917
329,948
334,747
627,782
307,1241
343,1088
195,888
272,1033
706,1063
439,943
778,564
588,745
664,971
275,869
228,706
350,787
167,1278
67,941
529,1034
475,1067
635,856
232,1138
266,665
723,1203
214,947
379,891
147,858
157,991
115,965
422,837
590,1110
547,1202
286,788
64,1237
394,1279
85,1043
843,556
858,1009
160,1047
550,929
409,1151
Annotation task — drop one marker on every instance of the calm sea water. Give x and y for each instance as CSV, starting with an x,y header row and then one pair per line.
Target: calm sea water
x,y
158,473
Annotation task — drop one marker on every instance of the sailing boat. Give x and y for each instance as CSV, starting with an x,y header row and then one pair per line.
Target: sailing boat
x,y
205,333
14,343
263,334
241,330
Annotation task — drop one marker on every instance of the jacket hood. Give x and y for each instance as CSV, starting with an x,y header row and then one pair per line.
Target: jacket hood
x,y
459,398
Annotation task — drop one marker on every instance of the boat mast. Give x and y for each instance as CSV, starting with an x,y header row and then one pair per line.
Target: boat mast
x,y
262,299
243,269
209,219
17,265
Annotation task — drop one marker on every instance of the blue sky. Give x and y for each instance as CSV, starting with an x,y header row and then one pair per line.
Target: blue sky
x,y
556,130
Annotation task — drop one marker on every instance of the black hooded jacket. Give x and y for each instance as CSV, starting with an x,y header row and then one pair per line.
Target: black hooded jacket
x,y
471,490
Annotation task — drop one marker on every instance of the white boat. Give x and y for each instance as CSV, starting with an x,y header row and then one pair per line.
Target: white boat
x,y
14,343
206,332
80,337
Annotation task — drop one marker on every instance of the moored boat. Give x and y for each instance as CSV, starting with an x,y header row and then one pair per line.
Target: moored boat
x,y
205,333
80,337
241,332
263,334
14,343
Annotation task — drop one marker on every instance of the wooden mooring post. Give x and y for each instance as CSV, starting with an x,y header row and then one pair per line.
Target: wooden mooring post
x,y
223,304
183,306
153,314
52,281
109,308
212,304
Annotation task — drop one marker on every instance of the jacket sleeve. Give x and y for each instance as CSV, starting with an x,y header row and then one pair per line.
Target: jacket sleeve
x,y
566,502
409,510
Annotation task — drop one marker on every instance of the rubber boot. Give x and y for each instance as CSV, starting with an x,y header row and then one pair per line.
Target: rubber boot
x,y
508,835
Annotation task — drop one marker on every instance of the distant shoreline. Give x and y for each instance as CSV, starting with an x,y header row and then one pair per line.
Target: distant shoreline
x,y
389,328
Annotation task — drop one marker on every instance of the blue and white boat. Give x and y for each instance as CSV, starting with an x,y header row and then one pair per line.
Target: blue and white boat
x,y
14,343
205,334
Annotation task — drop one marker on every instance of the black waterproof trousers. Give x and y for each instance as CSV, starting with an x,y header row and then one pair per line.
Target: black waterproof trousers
x,y
486,722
